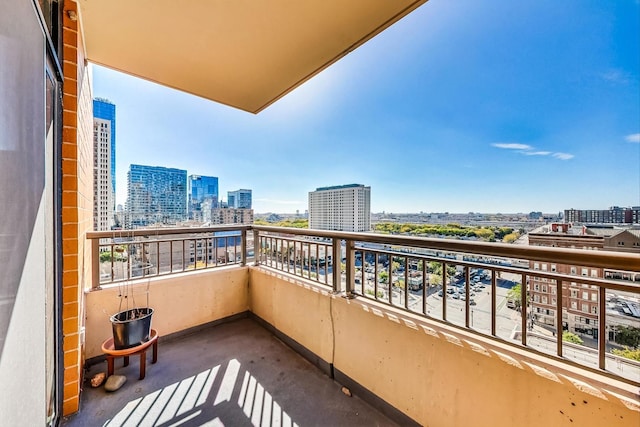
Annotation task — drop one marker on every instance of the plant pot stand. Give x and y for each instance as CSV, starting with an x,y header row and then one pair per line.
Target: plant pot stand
x,y
111,353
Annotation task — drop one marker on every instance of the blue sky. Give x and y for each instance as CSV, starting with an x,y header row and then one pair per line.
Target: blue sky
x,y
492,106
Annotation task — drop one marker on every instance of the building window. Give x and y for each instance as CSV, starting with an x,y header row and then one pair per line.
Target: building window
x,y
574,270
553,267
585,308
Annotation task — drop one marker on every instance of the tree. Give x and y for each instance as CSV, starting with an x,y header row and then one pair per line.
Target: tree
x,y
628,336
384,276
510,238
628,353
571,337
515,294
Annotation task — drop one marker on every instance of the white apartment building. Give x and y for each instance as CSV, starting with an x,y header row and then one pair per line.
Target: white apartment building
x,y
102,184
340,208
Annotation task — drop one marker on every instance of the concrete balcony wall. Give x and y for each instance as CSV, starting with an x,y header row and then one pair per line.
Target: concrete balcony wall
x,y
437,375
298,310
180,302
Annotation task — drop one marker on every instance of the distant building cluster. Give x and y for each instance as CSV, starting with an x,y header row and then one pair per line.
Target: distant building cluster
x,y
340,208
613,215
166,196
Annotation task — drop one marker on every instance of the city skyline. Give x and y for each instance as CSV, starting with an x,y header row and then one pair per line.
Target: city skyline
x,y
456,108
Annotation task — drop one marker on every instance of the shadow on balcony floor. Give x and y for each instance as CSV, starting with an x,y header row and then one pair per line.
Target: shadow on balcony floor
x,y
233,374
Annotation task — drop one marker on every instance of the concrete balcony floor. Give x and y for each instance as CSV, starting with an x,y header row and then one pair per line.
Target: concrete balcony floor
x,y
231,374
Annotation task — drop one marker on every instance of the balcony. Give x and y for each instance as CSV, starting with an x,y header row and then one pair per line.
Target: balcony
x,y
383,322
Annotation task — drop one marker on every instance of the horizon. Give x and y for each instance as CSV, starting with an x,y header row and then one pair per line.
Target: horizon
x,y
458,107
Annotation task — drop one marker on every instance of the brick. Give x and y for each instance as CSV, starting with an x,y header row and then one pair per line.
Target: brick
x,y
69,198
70,70
71,374
71,358
69,168
70,325
69,53
66,21
70,247
70,118
70,185
69,148
69,295
70,406
69,37
70,310
70,215
70,277
71,390
70,136
69,231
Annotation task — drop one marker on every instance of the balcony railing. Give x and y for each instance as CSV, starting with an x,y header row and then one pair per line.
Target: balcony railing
x,y
469,285
125,255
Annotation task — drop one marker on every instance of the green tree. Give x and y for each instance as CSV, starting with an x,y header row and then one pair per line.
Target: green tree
x,y
383,276
515,294
571,337
628,353
510,238
628,336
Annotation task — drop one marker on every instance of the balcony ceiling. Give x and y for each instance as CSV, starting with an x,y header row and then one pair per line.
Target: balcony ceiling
x,y
246,54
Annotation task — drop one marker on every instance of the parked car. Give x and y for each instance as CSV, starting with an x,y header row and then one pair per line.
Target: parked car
x,y
455,296
472,301
440,293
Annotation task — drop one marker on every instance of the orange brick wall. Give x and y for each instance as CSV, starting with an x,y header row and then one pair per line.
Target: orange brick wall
x,y
77,203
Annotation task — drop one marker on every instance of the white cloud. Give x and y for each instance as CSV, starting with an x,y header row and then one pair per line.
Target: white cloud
x,y
536,153
528,150
616,76
563,156
512,146
634,137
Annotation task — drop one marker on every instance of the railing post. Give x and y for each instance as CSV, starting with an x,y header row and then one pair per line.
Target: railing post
x,y
524,311
95,263
243,243
602,321
256,247
351,266
335,264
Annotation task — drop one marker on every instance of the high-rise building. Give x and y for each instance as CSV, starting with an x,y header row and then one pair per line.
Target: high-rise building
x,y
340,208
613,215
105,110
239,199
155,195
200,189
104,162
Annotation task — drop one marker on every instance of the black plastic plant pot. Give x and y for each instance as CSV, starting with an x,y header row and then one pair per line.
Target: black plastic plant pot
x,y
131,327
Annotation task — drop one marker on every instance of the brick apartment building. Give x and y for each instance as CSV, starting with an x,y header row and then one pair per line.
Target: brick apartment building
x,y
579,300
